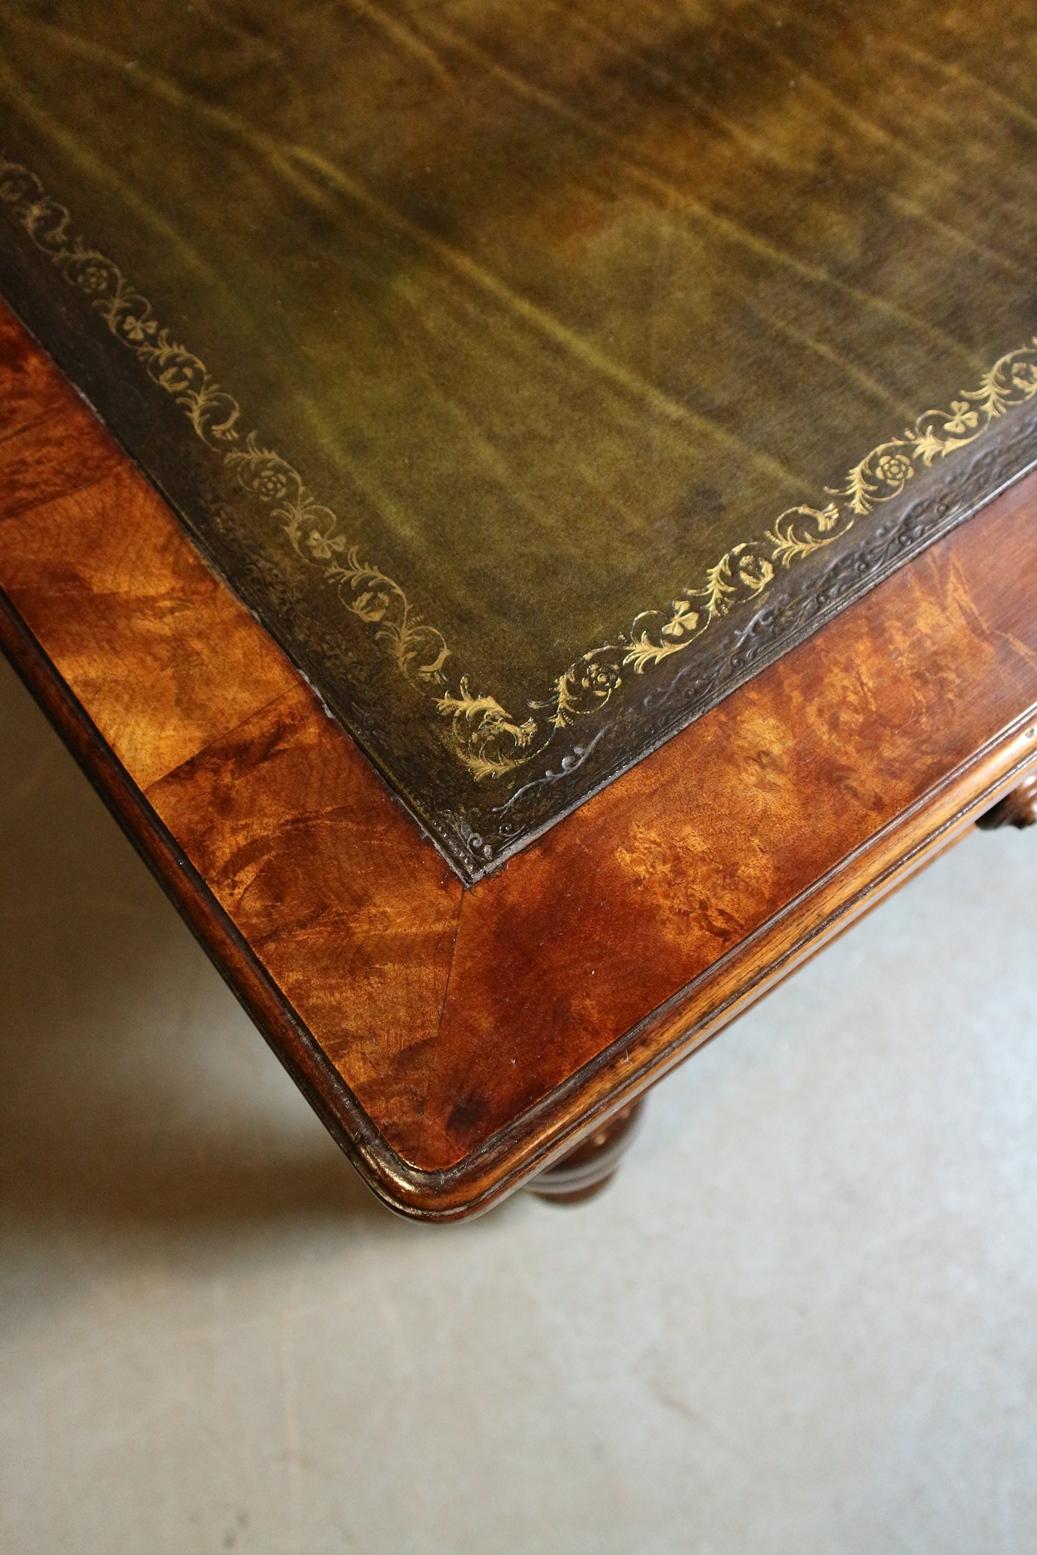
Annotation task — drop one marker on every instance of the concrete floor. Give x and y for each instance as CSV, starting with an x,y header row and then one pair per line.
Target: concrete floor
x,y
803,1320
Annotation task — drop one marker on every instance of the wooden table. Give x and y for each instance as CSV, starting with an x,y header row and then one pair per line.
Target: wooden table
x,y
600,557
459,1041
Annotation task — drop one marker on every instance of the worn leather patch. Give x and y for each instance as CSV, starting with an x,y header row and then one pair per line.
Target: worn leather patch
x,y
535,371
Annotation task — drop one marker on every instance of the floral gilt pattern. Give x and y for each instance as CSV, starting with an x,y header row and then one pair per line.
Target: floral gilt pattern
x,y
484,736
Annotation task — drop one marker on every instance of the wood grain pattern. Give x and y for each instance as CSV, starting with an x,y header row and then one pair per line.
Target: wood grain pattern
x,y
32,390
457,1041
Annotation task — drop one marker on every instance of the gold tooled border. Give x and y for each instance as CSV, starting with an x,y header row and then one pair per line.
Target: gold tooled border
x,y
481,733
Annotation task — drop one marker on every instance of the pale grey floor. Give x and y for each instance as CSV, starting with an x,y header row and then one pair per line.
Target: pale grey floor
x,y
804,1321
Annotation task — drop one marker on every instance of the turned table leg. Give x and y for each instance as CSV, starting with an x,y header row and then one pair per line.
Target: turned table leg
x,y
1019,808
589,1168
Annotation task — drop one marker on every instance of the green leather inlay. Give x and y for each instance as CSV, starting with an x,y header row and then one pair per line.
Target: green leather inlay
x,y
538,370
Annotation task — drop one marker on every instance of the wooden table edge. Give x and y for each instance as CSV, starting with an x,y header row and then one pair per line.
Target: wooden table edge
x,y
600,1088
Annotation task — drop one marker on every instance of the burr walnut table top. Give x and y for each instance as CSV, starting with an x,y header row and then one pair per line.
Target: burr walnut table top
x,y
536,371
456,1039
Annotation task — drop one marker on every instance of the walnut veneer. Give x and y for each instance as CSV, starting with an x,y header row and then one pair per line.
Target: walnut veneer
x,y
456,1041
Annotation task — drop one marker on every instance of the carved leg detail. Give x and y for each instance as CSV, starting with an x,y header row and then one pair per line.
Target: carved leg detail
x,y
1019,808
590,1167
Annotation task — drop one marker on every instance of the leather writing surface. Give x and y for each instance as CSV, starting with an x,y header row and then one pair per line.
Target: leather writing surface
x,y
535,371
